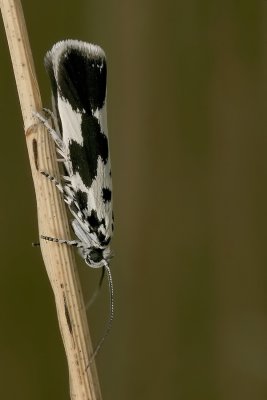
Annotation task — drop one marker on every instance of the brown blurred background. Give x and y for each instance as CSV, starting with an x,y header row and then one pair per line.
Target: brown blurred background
x,y
187,122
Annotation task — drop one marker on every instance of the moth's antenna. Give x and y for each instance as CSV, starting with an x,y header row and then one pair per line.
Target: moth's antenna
x,y
111,313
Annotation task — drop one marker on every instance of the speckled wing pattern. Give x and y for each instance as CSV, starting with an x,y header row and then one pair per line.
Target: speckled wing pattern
x,y
78,73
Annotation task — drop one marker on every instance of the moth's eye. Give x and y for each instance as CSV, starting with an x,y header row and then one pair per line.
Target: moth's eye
x,y
96,255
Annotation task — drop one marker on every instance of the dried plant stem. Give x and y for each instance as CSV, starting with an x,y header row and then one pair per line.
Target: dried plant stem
x,y
52,219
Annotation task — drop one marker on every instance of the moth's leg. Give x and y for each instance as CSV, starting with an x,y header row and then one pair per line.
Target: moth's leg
x,y
55,182
74,243
51,115
66,191
55,136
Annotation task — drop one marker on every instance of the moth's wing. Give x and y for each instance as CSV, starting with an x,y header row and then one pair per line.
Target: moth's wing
x,y
78,75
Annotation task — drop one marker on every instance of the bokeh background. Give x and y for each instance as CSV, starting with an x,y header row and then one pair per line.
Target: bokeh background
x,y
187,122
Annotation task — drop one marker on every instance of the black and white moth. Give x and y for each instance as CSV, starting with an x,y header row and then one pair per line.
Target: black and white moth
x,y
78,74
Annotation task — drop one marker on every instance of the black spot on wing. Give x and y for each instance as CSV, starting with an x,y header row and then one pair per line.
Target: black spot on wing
x,y
73,207
82,79
106,194
112,225
93,220
95,224
81,199
102,239
95,144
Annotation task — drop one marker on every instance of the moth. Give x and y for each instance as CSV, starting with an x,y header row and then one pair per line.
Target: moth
x,y
78,74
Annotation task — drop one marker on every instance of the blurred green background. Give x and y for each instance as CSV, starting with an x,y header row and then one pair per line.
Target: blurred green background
x,y
187,123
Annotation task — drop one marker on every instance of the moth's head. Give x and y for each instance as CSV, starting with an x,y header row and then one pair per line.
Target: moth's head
x,y
97,257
